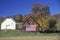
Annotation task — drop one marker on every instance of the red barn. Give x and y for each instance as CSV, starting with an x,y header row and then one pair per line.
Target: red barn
x,y
30,25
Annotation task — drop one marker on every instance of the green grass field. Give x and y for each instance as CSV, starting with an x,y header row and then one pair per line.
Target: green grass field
x,y
18,33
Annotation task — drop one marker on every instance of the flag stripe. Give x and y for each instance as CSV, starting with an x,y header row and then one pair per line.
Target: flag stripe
x,y
30,27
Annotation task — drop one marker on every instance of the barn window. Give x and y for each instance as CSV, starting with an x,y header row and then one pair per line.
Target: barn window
x,y
11,23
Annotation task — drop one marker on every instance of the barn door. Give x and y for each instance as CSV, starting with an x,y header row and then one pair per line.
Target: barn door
x,y
7,26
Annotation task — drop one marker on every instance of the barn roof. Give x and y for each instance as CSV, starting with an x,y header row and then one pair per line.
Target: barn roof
x,y
8,19
28,19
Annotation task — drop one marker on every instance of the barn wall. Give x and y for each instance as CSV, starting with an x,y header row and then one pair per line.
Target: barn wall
x,y
9,22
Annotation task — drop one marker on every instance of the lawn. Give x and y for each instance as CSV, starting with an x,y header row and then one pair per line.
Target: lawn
x,y
19,33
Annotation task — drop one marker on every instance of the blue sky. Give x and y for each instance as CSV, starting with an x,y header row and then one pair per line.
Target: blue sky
x,y
14,7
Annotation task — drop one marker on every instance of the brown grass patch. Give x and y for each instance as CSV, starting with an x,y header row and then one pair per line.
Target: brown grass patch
x,y
32,38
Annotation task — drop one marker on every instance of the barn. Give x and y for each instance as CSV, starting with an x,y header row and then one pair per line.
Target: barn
x,y
8,24
30,25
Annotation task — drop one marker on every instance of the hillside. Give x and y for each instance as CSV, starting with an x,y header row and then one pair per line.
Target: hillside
x,y
57,15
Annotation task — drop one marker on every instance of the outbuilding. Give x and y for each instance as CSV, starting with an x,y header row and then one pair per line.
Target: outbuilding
x,y
30,25
8,24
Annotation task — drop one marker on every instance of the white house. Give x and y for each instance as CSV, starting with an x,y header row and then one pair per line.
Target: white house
x,y
8,23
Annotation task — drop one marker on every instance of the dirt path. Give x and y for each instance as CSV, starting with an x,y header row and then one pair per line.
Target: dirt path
x,y
31,38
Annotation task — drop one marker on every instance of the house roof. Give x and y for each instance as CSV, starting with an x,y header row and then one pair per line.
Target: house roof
x,y
28,19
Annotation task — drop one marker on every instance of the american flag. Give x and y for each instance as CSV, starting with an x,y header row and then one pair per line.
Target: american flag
x,y
30,27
